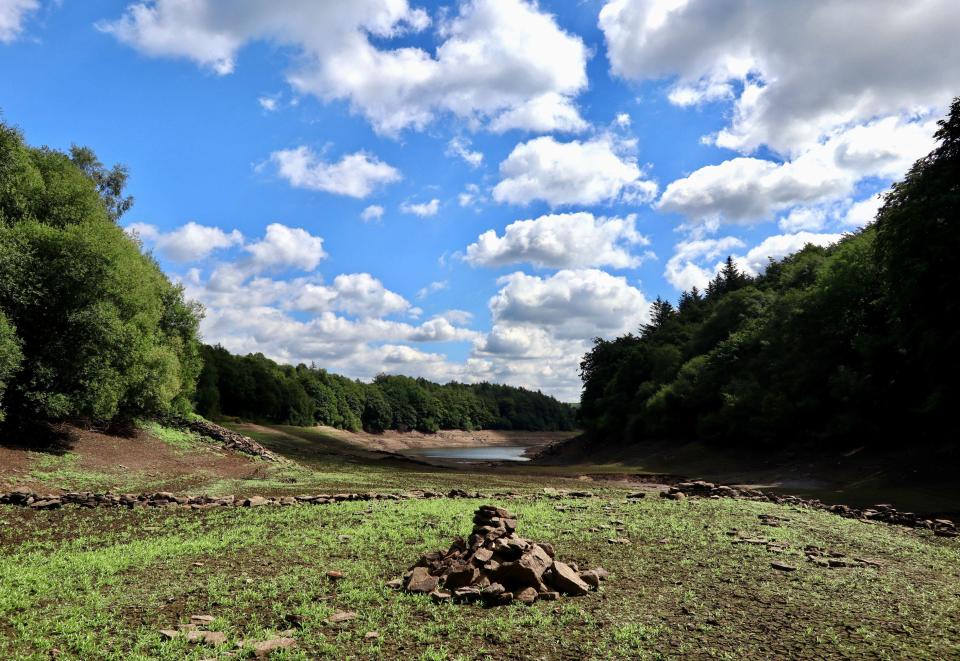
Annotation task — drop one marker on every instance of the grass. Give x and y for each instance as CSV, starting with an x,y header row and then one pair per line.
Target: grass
x,y
100,584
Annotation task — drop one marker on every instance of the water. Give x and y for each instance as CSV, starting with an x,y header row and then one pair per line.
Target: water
x,y
494,453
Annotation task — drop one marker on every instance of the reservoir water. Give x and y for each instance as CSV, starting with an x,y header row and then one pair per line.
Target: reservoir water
x,y
490,453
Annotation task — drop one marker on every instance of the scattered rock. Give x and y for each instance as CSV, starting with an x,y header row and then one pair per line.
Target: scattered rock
x,y
782,566
212,638
169,634
265,648
526,595
341,616
334,575
371,635
202,620
421,581
566,580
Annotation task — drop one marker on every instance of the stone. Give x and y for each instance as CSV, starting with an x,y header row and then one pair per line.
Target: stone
x,y
679,495
421,581
202,619
782,566
549,596
601,573
565,579
527,571
637,495
334,575
591,578
461,576
212,638
526,595
395,584
467,593
371,635
255,501
483,555
341,616
169,634
440,596
546,546
265,648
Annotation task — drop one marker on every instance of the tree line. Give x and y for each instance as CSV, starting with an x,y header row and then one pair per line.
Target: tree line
x,y
858,340
254,387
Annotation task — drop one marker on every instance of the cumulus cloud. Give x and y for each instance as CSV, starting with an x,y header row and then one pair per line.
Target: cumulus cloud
x,y
460,147
422,209
747,190
189,243
13,13
565,173
696,261
795,71
286,247
863,212
372,213
504,61
432,288
358,294
572,303
268,103
570,240
355,175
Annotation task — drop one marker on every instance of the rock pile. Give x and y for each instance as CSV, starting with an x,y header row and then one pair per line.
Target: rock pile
x,y
496,566
884,513
230,439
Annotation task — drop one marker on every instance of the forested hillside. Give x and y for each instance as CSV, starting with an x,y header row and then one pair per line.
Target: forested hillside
x,y
89,325
256,388
857,340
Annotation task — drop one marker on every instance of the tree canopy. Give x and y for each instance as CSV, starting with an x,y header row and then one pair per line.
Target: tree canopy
x,y
855,340
89,325
254,387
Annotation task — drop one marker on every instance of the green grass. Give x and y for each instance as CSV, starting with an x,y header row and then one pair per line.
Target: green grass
x,y
100,584
181,439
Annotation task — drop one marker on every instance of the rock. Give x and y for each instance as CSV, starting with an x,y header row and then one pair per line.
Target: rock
x,y
202,619
169,634
549,596
483,555
255,501
341,616
212,638
591,578
421,581
440,596
637,495
679,495
526,595
265,648
461,576
466,594
395,584
618,540
565,579
371,635
782,566
334,575
601,573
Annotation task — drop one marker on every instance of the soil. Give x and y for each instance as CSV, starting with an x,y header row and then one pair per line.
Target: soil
x,y
394,441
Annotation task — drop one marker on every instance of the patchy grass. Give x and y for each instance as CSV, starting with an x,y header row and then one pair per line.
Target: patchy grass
x,y
100,584
183,440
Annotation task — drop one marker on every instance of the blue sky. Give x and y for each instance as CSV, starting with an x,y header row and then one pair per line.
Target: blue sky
x,y
319,174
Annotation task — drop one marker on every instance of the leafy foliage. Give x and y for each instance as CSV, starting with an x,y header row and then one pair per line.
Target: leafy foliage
x,y
254,387
100,331
856,340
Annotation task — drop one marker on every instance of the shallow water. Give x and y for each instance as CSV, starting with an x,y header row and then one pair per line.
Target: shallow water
x,y
492,453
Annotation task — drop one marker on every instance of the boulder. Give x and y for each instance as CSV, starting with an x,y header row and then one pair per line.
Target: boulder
x,y
421,581
566,580
526,595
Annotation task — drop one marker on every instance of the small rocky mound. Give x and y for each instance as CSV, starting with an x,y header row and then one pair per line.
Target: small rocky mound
x,y
230,439
496,566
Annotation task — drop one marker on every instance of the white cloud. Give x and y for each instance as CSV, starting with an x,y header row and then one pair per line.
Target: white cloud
x,y
268,103
795,71
572,304
570,240
355,175
696,261
494,61
470,196
461,147
286,247
803,218
432,288
573,172
373,213
686,269
358,294
188,243
622,120
13,13
747,190
550,112
863,212
422,209
779,246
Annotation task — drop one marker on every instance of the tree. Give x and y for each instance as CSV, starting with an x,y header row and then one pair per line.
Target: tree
x,y
103,333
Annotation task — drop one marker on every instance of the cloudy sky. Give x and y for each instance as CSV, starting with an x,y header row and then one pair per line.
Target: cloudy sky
x,y
473,190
